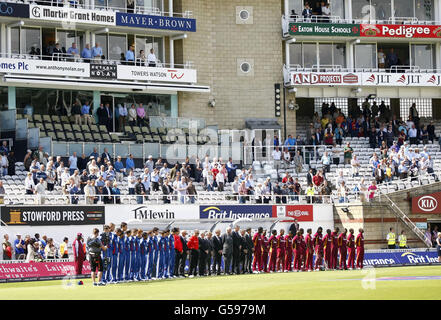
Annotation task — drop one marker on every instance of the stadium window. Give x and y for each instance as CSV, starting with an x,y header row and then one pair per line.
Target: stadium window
x,y
340,103
424,107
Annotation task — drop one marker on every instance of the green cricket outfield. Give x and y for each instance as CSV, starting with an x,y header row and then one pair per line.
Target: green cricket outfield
x,y
422,282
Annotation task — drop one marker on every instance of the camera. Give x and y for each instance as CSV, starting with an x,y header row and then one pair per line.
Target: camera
x,y
105,238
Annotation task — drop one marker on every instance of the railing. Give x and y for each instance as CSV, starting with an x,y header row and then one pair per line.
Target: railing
x,y
81,5
77,59
339,68
204,197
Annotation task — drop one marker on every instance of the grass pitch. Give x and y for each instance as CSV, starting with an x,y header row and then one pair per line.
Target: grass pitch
x,y
382,283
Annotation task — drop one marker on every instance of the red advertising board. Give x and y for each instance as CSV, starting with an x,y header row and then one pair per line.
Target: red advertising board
x,y
400,31
300,212
430,203
45,270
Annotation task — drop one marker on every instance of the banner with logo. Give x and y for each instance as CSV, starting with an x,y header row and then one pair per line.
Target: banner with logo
x,y
103,71
69,15
325,78
52,215
392,79
324,29
427,204
11,272
391,257
400,31
156,74
155,22
150,213
298,212
43,67
220,212
9,9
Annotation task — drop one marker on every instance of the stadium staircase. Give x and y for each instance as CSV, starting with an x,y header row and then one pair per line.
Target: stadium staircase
x,y
406,220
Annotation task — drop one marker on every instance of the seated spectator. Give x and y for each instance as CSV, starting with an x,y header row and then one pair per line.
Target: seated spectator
x,y
116,192
151,58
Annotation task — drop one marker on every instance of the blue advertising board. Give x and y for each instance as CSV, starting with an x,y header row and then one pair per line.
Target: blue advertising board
x,y
155,22
391,257
237,212
19,10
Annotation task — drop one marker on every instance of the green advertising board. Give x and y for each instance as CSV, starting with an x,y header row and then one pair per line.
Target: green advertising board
x,y
324,29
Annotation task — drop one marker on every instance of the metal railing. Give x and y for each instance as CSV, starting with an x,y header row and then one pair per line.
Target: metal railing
x,y
64,57
339,68
75,4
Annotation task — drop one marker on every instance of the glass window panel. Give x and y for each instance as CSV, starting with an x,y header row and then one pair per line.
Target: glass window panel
x,y
422,56
15,40
309,55
30,37
117,45
382,9
150,6
120,4
295,54
136,150
424,10
146,43
337,8
76,147
404,8
60,148
121,150
101,39
361,9
296,5
339,54
325,54
365,56
100,3
88,148
109,147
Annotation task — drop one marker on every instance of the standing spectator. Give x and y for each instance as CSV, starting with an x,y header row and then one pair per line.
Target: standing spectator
x,y
40,191
96,52
130,55
391,58
19,248
86,54
277,155
151,58
7,248
76,112
307,13
298,162
64,253
438,246
218,244
122,116
139,191
348,151
132,113
2,192
326,162
182,190
85,112
191,191
225,247
286,158
140,112
11,163
372,190
73,161
193,245
355,166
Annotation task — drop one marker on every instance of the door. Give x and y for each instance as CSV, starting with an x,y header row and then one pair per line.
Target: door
x,y
109,99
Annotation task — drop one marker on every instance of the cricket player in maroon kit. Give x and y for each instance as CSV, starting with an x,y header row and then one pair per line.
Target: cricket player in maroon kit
x,y
297,246
342,249
318,247
351,249
327,246
281,251
257,260
334,248
265,251
288,251
303,249
79,254
309,250
273,251
359,242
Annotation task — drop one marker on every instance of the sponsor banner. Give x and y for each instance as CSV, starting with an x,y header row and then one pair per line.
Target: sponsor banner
x,y
366,79
43,67
400,31
325,79
324,29
151,213
39,270
399,257
155,22
103,71
156,74
238,211
69,15
303,213
52,215
18,10
430,203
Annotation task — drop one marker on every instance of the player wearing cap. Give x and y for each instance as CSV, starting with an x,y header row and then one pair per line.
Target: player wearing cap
x,y
265,251
121,254
318,247
327,246
171,255
155,252
138,256
343,249
334,249
143,251
166,253
273,251
359,241
161,247
151,248
281,247
309,250
132,240
127,255
289,247
257,241
351,249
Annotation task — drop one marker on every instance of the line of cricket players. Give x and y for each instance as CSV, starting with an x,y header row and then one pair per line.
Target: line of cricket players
x,y
136,255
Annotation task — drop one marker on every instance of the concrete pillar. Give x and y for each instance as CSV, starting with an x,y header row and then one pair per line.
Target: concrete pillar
x,y
437,10
8,41
348,9
286,9
3,38
350,55
172,53
437,55
96,103
174,105
11,98
287,60
170,8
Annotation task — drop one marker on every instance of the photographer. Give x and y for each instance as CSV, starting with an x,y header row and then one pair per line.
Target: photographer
x,y
95,246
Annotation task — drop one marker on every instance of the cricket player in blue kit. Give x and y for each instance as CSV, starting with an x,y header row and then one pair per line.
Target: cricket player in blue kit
x,y
166,254
132,255
155,252
171,256
121,255
143,250
127,255
136,273
161,246
114,245
151,251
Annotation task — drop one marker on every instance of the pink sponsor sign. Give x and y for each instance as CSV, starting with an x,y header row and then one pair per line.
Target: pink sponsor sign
x,y
10,271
